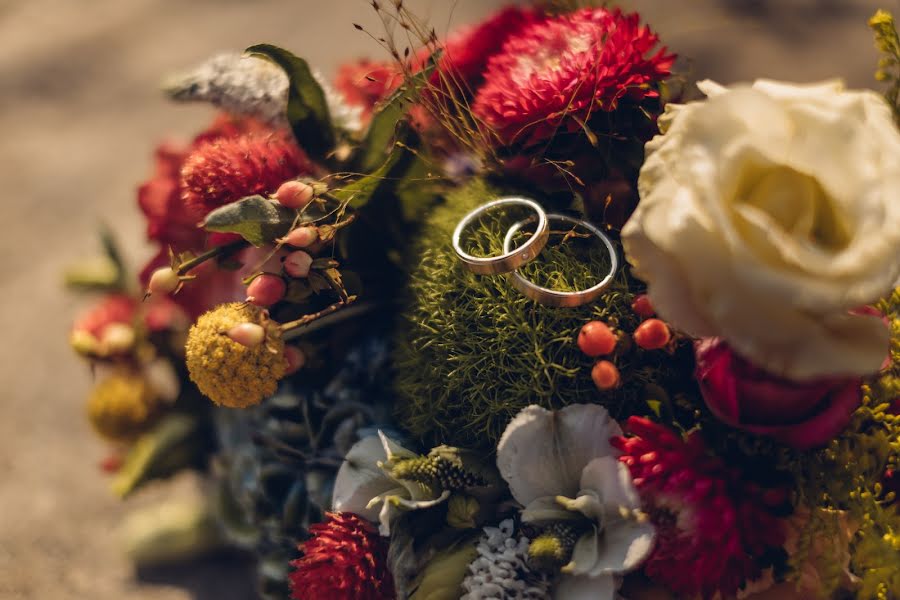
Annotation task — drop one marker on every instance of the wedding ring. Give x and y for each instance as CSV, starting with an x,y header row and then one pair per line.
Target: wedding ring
x,y
509,260
556,298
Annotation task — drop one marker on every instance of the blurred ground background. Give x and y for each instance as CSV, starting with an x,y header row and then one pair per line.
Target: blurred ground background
x,y
79,117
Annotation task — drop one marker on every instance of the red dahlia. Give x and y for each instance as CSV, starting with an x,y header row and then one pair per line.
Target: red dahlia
x,y
225,170
345,559
706,514
556,73
169,221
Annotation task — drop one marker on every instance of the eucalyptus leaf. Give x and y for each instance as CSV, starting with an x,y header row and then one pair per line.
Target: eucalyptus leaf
x,y
307,109
257,219
384,130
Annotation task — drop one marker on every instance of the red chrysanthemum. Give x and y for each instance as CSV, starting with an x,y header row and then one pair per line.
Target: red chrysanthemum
x,y
556,73
706,514
169,221
225,170
364,83
345,559
115,308
467,50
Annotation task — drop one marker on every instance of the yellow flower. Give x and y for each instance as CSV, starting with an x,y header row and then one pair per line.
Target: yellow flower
x,y
227,372
122,406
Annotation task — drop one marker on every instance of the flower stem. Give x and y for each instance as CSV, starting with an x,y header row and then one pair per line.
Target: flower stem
x,y
307,319
223,250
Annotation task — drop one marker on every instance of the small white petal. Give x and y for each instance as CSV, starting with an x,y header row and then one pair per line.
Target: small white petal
x,y
359,479
543,453
611,480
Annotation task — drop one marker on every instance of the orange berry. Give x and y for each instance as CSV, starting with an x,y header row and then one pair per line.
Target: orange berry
x,y
642,307
652,334
605,375
596,338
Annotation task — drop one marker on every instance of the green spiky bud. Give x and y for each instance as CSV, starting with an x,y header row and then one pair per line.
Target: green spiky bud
x,y
553,548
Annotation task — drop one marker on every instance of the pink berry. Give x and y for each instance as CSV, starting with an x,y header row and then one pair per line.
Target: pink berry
x,y
247,334
266,290
605,375
652,334
297,264
295,358
164,281
596,338
642,307
301,237
294,194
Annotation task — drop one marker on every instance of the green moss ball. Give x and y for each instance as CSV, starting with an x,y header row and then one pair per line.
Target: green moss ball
x,y
472,351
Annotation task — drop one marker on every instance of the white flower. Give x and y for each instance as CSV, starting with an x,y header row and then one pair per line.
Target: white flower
x,y
365,486
561,468
766,213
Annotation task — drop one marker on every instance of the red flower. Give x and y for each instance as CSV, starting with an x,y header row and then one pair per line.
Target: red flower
x,y
467,51
114,308
225,170
556,73
365,83
713,526
169,221
345,559
800,414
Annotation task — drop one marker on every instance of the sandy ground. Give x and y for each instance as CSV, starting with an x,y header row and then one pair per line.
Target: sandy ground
x,y
80,115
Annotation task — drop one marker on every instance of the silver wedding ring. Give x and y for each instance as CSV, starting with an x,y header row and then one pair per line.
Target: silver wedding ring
x,y
510,260
556,298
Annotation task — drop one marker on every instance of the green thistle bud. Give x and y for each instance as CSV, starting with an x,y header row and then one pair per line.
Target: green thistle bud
x,y
553,548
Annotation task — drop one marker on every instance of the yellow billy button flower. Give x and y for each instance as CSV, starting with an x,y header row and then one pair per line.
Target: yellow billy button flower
x,y
228,372
122,406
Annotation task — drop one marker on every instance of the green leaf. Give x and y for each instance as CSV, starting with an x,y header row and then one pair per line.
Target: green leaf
x,y
103,273
257,219
169,447
358,193
385,126
307,109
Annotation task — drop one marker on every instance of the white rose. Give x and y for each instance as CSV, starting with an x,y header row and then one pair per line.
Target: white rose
x,y
766,213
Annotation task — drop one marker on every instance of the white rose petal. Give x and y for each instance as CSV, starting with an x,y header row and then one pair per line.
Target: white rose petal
x,y
768,212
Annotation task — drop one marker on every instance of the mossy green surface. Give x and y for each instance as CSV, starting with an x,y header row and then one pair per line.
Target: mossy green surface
x,y
472,351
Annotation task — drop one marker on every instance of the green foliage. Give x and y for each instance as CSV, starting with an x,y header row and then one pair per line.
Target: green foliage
x,y
307,110
106,273
472,351
257,219
387,123
888,43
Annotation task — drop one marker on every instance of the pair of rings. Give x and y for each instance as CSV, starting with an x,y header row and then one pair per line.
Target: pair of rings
x,y
515,257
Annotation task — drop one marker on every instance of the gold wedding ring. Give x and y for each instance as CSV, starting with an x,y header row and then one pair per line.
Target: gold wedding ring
x,y
556,298
510,260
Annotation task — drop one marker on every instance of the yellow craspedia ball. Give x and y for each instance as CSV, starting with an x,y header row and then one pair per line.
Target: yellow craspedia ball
x,y
122,406
230,373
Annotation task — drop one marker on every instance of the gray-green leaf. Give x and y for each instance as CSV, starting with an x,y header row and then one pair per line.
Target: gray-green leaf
x,y
257,219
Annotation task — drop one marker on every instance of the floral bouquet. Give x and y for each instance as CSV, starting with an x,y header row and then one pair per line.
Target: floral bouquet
x,y
519,313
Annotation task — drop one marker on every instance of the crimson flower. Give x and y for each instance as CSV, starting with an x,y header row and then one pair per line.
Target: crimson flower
x,y
800,414
713,525
169,221
344,559
364,83
556,73
225,170
114,308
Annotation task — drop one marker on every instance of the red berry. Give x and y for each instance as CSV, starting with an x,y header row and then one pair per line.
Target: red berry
x,y
295,358
652,334
266,290
164,281
596,338
642,307
605,375
294,194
